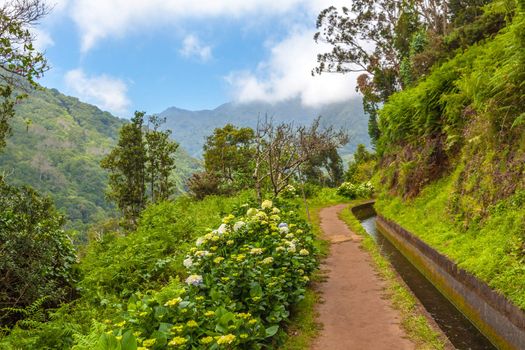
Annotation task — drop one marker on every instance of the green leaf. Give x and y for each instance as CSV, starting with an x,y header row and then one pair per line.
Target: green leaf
x,y
271,331
107,342
256,290
128,341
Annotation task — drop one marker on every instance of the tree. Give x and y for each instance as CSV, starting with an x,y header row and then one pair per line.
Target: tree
x,y
20,62
361,168
127,175
37,255
228,157
281,150
324,169
160,161
142,155
391,28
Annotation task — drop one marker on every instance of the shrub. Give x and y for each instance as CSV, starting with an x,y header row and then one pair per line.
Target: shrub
x,y
353,191
37,256
242,279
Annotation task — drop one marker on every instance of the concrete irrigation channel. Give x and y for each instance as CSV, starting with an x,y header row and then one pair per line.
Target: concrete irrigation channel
x,y
470,313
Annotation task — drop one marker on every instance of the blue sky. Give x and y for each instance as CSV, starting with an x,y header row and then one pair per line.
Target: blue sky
x,y
126,55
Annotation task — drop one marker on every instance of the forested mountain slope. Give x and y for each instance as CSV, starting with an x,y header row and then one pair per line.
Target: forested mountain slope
x,y
190,128
56,146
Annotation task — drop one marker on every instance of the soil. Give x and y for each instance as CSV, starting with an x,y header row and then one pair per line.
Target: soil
x,y
354,312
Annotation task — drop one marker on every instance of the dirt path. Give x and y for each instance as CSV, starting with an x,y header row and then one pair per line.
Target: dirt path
x,y
354,313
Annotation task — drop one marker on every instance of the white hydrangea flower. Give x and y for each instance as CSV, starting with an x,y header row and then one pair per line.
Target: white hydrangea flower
x,y
275,211
202,253
304,252
194,280
238,225
200,241
222,229
251,212
267,260
284,229
256,251
261,216
188,262
267,204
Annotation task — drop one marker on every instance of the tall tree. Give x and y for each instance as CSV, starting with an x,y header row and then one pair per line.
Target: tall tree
x,y
376,38
228,157
20,62
126,166
160,161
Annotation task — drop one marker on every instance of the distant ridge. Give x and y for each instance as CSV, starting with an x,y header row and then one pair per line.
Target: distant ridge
x,y
190,128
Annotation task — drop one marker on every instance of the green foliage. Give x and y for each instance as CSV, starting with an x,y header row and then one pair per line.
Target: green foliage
x,y
37,255
492,249
160,161
59,153
354,191
228,157
325,169
20,63
145,259
126,165
472,103
140,157
243,277
361,168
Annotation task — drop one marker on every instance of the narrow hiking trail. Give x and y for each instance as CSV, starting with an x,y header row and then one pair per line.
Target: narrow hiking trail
x,y
353,311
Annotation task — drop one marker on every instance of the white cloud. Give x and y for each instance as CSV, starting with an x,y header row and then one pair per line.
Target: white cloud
x,y
286,74
43,39
109,18
192,46
104,91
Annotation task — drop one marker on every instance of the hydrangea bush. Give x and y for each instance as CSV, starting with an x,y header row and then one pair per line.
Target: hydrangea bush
x,y
241,280
353,191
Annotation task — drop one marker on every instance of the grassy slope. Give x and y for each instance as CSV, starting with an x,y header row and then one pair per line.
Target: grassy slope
x,y
490,249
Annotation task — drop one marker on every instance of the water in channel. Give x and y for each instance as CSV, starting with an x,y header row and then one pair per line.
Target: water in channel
x,y
461,333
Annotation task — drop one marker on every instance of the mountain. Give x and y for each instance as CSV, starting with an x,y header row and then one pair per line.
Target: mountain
x,y
59,152
190,128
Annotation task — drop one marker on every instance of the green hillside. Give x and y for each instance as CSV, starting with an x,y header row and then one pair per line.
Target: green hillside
x,y
453,156
59,152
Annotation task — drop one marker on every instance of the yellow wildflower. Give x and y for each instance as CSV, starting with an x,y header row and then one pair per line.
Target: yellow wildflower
x,y
192,324
178,341
206,340
173,302
149,342
225,339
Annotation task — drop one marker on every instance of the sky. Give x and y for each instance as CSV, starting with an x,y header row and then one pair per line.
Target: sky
x,y
148,55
